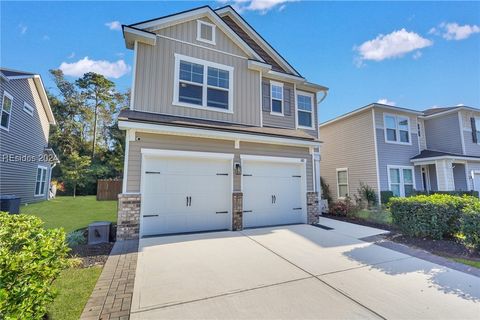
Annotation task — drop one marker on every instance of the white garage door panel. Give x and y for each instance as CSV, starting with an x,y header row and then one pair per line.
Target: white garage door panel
x,y
169,182
272,193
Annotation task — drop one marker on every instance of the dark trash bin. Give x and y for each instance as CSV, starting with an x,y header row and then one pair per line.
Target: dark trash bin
x,y
10,203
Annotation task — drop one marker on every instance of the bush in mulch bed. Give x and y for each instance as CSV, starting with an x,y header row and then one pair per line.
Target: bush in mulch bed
x,y
88,254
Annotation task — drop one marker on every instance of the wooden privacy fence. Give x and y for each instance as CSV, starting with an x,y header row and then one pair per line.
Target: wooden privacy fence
x,y
108,189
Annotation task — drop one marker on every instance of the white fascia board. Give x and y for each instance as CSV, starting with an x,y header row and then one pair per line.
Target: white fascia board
x,y
213,134
259,66
43,96
196,14
132,35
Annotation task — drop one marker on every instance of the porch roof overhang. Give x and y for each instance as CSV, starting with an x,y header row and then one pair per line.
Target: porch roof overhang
x,y
430,156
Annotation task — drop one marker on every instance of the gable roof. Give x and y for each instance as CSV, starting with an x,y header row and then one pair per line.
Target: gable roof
x,y
180,17
11,74
251,36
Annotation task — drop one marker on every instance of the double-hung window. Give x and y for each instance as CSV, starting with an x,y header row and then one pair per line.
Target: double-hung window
x,y
397,129
342,182
305,110
276,98
401,180
202,84
6,110
41,182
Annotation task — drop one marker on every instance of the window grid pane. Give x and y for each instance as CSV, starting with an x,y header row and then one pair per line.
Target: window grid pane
x,y
304,103
394,175
218,78
390,122
206,32
342,177
192,72
304,118
217,98
7,104
277,92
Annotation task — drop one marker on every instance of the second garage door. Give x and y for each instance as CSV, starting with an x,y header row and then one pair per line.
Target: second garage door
x,y
273,191
185,192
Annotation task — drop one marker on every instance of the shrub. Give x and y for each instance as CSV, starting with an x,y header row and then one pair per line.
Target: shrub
x,y
343,207
76,238
325,190
472,193
367,194
435,216
385,196
470,224
31,257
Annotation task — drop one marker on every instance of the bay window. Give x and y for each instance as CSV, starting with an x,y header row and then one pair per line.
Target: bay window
x,y
202,84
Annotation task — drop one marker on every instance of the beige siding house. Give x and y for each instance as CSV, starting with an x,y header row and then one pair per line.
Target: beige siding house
x,y
401,150
221,132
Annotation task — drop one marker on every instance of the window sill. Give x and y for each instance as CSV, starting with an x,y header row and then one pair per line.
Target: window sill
x,y
194,106
278,114
305,128
401,143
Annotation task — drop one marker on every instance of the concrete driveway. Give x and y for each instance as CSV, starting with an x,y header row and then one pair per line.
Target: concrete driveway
x,y
294,272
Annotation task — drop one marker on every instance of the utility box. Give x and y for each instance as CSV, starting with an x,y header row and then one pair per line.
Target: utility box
x,y
10,203
99,232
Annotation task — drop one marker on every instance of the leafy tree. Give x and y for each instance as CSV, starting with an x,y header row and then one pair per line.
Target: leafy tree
x,y
76,171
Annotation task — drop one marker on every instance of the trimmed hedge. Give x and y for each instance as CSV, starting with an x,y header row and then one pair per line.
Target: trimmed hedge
x,y
436,216
472,193
31,257
470,224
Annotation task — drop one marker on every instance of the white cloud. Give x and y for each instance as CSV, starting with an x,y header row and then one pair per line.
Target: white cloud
x,y
454,31
23,28
386,101
108,69
114,25
261,6
392,45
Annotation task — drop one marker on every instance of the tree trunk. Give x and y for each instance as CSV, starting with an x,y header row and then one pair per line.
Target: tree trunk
x,y
74,190
94,140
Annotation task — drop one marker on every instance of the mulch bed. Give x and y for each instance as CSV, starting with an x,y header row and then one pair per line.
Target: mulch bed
x,y
92,255
446,248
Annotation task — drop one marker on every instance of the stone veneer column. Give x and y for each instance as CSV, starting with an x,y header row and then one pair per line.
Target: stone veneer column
x,y
237,216
313,207
128,223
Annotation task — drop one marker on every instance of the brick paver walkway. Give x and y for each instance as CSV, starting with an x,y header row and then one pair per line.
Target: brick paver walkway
x,y
111,298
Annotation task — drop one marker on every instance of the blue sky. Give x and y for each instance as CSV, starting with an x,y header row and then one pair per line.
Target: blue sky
x,y
412,54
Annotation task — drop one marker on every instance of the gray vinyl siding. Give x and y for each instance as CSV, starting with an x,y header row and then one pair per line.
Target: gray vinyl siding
x,y
471,148
433,177
472,166
443,133
187,32
27,136
288,120
459,177
157,141
154,83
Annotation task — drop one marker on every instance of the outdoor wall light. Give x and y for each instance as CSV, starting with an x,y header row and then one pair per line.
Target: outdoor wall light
x,y
237,168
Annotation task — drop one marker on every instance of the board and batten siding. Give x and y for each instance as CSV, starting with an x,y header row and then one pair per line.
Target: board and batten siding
x,y
27,136
396,154
443,133
168,142
154,82
349,143
471,148
289,118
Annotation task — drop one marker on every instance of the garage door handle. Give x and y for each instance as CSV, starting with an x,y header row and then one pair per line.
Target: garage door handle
x,y
247,175
189,201
150,215
152,172
222,174
245,211
274,199
296,176
221,212
297,208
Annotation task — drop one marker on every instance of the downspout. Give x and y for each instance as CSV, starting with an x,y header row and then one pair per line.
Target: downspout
x,y
318,185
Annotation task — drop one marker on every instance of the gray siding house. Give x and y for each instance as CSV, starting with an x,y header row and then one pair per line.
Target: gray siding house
x,y
398,149
26,116
222,131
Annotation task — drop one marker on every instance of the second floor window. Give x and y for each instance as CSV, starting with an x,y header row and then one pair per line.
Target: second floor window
x,y
305,110
397,129
6,113
203,84
276,96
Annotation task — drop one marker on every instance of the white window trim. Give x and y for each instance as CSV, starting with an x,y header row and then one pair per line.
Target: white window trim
x,y
278,84
204,85
396,116
477,126
199,32
5,93
46,187
28,108
338,185
297,110
402,181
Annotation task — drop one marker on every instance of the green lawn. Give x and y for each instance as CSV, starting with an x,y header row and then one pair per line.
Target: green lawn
x,y
72,213
378,216
473,263
74,287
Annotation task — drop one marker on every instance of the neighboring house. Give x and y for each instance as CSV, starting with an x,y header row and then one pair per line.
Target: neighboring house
x,y
26,116
398,149
221,131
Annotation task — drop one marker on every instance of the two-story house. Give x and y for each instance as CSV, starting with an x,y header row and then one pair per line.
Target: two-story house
x,y
402,150
26,116
221,132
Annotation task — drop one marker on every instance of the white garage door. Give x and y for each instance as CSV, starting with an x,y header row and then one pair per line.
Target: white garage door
x,y
183,192
273,192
